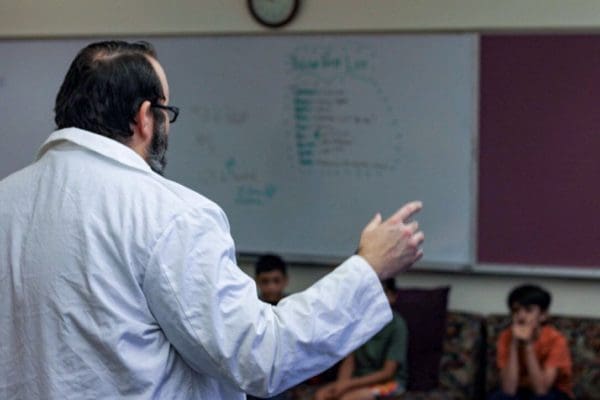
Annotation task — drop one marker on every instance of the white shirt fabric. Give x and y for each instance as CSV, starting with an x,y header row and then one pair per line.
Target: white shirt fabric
x,y
116,283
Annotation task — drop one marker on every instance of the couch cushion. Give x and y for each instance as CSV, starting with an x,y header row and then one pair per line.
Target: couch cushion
x,y
583,335
424,311
461,374
494,325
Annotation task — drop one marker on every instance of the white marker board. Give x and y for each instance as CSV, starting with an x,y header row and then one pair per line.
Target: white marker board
x,y
300,139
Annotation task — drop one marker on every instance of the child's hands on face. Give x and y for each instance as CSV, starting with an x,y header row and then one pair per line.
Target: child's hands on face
x,y
523,329
525,321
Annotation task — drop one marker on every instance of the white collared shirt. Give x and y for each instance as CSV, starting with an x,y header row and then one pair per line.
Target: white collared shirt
x,y
116,283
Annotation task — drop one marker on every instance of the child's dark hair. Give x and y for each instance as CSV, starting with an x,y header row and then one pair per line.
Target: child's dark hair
x,y
390,284
527,295
270,262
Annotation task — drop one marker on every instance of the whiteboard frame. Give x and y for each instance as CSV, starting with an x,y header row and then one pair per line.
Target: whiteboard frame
x,y
546,271
474,267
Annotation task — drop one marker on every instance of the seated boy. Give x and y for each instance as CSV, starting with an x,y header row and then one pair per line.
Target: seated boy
x,y
533,358
270,273
377,370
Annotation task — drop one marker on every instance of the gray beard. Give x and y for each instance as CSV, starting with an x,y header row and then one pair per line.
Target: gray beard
x,y
157,150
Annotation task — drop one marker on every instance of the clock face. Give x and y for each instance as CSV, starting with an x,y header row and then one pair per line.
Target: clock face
x,y
273,13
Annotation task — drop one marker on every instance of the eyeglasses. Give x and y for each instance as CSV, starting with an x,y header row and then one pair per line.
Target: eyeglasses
x,y
172,111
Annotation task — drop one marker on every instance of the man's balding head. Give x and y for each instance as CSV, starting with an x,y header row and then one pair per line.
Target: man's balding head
x,y
105,86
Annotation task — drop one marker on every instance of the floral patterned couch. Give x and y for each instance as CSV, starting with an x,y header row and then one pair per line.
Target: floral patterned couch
x,y
467,367
583,335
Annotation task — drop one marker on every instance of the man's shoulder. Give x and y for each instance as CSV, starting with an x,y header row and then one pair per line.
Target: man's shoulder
x,y
186,202
116,165
184,196
18,177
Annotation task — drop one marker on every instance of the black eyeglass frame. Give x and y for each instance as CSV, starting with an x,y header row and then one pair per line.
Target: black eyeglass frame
x,y
173,109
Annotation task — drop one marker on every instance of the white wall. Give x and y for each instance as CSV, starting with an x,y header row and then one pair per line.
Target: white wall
x,y
478,293
475,292
27,18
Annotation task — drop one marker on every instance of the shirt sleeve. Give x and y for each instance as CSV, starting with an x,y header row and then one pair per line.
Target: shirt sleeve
x,y
399,341
559,355
503,348
209,310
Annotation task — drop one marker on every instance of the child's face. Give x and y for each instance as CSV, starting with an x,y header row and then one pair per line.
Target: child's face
x,y
531,315
271,285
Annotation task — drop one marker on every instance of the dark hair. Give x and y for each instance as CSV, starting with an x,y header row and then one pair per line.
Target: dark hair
x,y
105,86
270,262
527,295
389,284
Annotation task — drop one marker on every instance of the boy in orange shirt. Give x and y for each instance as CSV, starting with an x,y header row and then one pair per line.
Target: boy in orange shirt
x,y
533,358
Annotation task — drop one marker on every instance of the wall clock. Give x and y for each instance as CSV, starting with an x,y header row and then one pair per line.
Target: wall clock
x,y
273,13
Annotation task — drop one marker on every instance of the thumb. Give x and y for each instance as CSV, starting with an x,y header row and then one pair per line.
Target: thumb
x,y
374,223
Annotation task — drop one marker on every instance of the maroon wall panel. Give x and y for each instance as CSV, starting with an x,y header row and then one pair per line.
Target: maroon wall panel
x,y
539,165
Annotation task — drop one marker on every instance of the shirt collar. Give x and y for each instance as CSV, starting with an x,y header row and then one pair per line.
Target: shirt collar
x,y
97,143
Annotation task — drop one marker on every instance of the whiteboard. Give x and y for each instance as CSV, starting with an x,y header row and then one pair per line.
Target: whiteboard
x,y
301,139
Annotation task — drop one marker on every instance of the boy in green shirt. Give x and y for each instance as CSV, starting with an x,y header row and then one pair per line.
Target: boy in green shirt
x,y
378,369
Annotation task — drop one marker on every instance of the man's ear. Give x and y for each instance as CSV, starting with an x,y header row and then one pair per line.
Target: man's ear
x,y
142,129
543,316
144,123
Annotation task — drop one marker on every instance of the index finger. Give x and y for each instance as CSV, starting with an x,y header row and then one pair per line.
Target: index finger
x,y
406,212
